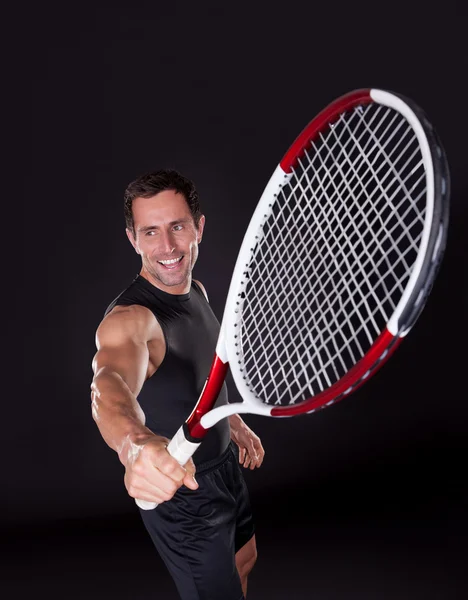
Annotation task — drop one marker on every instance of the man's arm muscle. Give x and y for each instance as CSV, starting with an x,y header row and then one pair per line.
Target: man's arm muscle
x,y
120,367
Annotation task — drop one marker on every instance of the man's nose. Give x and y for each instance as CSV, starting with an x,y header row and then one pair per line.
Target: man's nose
x,y
168,243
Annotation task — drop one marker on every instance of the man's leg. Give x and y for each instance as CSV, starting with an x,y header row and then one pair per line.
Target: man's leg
x,y
197,550
197,533
245,560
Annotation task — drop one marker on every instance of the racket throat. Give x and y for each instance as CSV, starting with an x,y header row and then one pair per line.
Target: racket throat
x,y
193,429
235,408
198,429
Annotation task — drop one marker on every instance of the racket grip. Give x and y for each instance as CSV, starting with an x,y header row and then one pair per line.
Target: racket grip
x,y
145,505
181,449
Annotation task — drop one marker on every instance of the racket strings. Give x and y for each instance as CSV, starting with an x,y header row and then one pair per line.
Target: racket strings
x,y
326,219
359,249
334,256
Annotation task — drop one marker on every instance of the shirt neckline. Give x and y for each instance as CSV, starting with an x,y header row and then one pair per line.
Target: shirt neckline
x,y
161,293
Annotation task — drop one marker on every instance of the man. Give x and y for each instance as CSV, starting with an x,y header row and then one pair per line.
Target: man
x,y
155,345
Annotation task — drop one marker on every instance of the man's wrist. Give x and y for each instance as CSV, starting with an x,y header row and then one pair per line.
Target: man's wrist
x,y
236,422
132,444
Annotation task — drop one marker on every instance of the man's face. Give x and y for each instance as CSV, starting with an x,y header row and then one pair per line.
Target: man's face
x,y
166,239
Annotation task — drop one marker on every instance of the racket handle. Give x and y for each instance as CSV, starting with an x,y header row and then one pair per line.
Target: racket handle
x,y
181,449
145,505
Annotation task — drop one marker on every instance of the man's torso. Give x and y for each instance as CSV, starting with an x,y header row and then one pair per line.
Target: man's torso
x,y
174,384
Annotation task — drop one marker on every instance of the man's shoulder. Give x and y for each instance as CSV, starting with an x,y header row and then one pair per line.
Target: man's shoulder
x,y
129,313
202,287
135,293
132,321
130,305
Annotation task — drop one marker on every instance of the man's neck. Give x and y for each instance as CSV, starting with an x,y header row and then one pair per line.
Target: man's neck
x,y
182,288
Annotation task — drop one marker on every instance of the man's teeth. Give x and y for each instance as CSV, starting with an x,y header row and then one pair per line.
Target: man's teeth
x,y
170,262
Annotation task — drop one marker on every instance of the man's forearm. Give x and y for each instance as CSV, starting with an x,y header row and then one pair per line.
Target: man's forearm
x,y
117,414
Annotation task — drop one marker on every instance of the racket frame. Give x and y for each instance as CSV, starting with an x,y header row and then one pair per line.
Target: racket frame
x,y
426,265
417,288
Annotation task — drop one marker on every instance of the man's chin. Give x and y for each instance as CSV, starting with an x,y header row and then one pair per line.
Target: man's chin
x,y
171,280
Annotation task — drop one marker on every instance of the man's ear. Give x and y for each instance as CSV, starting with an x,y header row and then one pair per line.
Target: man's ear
x,y
132,240
201,225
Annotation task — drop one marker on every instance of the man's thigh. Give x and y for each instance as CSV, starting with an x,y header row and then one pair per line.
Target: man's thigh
x,y
196,533
200,559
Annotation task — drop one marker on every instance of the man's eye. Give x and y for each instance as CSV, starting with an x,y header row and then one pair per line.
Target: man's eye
x,y
150,232
177,227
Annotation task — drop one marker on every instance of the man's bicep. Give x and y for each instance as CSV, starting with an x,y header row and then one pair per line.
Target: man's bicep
x,y
129,361
122,343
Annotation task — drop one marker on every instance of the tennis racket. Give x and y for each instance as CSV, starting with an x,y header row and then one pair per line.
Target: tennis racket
x,y
335,266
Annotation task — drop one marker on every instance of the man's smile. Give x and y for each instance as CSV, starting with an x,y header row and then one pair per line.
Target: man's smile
x,y
171,263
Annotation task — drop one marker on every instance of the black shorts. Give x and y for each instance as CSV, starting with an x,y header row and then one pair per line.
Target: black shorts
x,y
198,532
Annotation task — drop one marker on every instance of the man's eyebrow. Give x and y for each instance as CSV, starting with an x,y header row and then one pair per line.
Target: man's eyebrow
x,y
153,227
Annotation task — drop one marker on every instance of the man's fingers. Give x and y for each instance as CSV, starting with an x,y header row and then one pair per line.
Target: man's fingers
x,y
155,457
156,473
189,479
253,454
161,489
259,453
170,467
256,454
254,461
190,466
242,453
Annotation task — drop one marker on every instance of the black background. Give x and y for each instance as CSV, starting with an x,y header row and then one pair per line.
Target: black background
x,y
364,500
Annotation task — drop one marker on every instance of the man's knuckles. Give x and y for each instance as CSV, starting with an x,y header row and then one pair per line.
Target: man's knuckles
x,y
154,452
137,488
170,467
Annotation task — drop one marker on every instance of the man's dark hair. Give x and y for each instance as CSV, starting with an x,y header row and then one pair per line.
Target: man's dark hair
x,y
150,184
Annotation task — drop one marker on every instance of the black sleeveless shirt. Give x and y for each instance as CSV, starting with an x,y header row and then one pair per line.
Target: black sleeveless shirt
x,y
191,331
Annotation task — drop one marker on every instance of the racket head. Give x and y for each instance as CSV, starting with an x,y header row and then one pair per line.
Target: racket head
x,y
332,188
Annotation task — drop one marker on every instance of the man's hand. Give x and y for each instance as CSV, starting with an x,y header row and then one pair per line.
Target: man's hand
x,y
151,473
251,451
